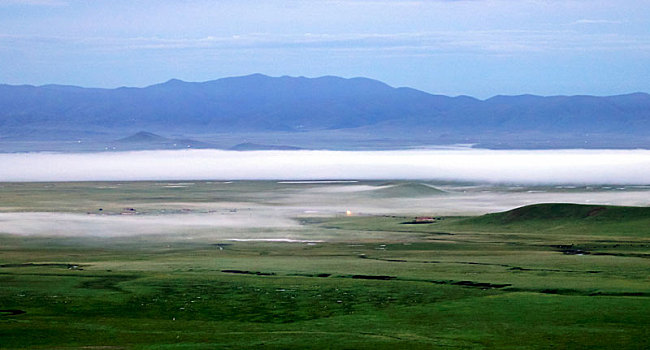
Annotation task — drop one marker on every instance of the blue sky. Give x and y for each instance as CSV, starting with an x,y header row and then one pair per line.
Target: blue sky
x,y
472,47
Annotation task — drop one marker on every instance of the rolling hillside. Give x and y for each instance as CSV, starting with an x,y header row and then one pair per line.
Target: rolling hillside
x,y
561,218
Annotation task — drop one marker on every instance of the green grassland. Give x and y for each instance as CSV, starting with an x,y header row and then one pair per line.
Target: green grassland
x,y
543,276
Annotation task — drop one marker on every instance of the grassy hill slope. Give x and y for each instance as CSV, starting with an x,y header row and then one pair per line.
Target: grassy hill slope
x,y
566,217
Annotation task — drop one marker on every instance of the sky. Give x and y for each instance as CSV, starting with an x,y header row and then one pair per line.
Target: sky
x,y
497,166
479,48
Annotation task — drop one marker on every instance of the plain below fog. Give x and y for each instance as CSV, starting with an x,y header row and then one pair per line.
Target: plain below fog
x,y
504,166
266,210
276,213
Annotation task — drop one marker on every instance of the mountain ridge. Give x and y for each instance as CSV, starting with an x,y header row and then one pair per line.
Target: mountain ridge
x,y
332,109
176,80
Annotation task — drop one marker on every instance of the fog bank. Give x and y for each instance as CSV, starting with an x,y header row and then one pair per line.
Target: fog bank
x,y
508,166
70,224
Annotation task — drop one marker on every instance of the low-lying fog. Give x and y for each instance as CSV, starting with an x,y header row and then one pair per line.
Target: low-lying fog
x,y
205,224
272,210
529,166
266,210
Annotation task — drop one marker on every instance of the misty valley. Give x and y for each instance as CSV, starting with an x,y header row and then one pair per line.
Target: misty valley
x,y
357,174
367,264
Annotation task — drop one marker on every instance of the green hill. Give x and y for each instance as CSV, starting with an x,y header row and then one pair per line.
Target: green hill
x,y
565,211
566,218
408,190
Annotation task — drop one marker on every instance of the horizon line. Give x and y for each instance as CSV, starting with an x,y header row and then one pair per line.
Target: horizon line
x,y
176,80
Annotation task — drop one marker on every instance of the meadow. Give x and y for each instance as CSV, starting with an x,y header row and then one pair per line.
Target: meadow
x,y
275,265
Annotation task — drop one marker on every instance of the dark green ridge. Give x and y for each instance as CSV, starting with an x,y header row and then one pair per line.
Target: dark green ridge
x,y
563,211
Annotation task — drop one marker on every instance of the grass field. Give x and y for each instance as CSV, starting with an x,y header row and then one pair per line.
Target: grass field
x,y
544,276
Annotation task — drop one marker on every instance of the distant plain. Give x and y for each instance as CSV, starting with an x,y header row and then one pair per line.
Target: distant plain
x,y
314,264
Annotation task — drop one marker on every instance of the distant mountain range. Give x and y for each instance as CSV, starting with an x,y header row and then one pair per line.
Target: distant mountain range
x,y
295,112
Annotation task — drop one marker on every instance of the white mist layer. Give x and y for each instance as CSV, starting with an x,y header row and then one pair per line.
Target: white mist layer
x,y
83,225
518,166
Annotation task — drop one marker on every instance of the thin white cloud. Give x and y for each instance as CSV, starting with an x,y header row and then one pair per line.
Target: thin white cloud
x,y
35,2
549,166
596,21
408,43
378,2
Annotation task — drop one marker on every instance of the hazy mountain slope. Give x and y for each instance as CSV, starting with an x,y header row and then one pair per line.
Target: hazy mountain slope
x,y
145,140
